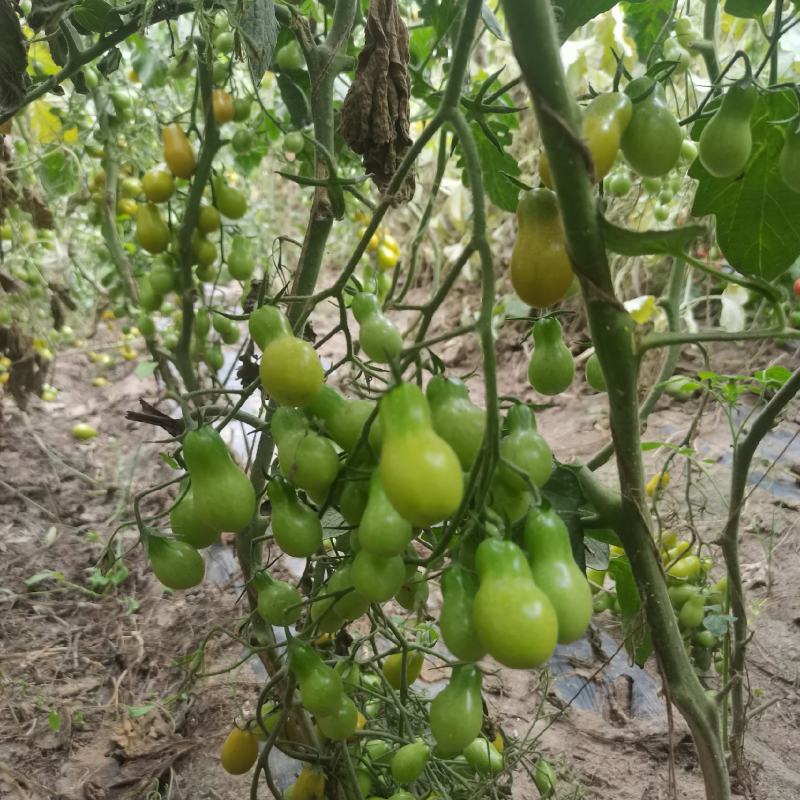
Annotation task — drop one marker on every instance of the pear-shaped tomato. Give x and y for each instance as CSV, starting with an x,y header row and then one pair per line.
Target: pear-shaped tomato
x,y
175,563
456,713
152,232
190,526
178,152
239,752
223,494
541,272
419,471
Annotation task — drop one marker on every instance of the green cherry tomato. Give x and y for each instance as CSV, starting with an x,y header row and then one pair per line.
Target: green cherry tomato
x,y
652,141
175,563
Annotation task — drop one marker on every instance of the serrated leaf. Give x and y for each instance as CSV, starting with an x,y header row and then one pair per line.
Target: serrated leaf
x,y
758,216
747,9
641,243
259,30
637,635
572,14
145,369
645,20
110,61
717,623
497,168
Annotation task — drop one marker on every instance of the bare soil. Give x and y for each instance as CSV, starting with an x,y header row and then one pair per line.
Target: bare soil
x,y
105,695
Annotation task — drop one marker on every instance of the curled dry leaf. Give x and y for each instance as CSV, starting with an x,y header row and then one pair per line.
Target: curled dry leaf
x,y
376,112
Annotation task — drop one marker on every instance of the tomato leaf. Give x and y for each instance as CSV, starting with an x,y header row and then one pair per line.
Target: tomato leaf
x,y
758,216
571,14
637,635
596,554
498,169
57,173
491,23
564,494
645,21
258,28
145,369
640,243
748,9
295,99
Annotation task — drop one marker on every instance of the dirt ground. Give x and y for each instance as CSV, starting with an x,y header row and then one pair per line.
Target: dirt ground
x,y
104,695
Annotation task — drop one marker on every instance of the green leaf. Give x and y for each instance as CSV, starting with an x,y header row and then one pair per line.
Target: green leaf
x,y
571,14
564,494
776,375
637,635
145,369
640,243
645,20
295,99
758,216
169,461
134,712
45,574
491,23
54,721
718,623
596,554
57,173
747,9
259,29
498,169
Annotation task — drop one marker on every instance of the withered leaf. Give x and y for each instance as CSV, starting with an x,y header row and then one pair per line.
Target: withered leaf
x,y
376,111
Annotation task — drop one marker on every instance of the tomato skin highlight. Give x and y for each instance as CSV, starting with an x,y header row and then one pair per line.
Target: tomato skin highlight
x,y
541,272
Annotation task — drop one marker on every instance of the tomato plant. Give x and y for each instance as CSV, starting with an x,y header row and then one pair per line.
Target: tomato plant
x,y
364,350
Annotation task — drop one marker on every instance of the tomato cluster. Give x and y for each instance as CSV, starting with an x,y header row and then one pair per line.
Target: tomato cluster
x,y
700,605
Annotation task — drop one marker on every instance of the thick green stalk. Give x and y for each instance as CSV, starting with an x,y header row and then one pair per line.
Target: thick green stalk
x,y
742,458
710,35
533,35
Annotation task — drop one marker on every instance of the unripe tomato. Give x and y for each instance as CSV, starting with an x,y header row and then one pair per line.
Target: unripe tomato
x,y
127,206
294,142
239,752
342,723
241,109
223,42
661,213
386,257
175,563
204,250
158,185
242,140
393,667
291,372
178,153
619,184
222,106
409,761
230,202
220,72
152,232
208,219
652,141
688,150
82,431
290,57
541,271
131,187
